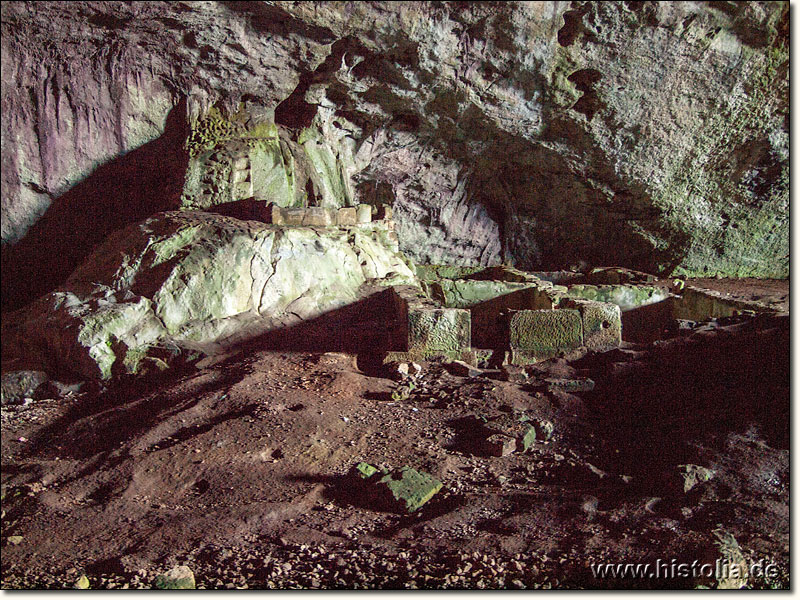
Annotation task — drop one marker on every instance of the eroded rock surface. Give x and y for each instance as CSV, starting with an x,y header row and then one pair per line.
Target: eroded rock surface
x,y
648,134
184,281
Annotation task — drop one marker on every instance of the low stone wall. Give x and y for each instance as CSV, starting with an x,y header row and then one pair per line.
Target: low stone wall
x,y
540,334
602,322
697,304
502,300
425,330
535,335
318,216
626,296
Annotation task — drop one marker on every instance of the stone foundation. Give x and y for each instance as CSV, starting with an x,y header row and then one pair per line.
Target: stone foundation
x,y
540,334
602,323
318,216
425,330
697,304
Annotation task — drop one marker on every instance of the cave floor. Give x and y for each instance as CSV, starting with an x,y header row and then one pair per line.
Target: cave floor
x,y
240,471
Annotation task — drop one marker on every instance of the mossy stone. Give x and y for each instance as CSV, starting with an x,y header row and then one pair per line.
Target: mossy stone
x,y
411,488
546,333
444,329
177,578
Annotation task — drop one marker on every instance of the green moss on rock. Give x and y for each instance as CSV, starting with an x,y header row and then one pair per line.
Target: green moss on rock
x,y
545,333
434,330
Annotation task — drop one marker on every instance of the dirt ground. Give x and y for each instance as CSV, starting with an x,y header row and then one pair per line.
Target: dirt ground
x,y
241,470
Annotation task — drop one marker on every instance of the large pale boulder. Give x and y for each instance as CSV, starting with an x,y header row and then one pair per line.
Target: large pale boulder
x,y
191,280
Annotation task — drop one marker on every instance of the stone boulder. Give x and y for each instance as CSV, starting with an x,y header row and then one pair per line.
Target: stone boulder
x,y
188,281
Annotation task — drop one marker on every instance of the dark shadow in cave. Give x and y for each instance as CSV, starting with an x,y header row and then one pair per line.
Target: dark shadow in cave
x,y
652,411
586,80
295,112
102,423
646,324
123,191
365,328
550,218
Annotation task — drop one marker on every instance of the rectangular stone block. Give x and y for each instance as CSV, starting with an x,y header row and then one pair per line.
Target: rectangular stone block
x,y
385,212
489,323
364,213
500,445
317,216
241,163
602,323
541,334
439,329
294,216
346,216
516,426
276,216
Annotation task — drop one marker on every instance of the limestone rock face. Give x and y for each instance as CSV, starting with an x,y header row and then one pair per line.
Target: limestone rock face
x,y
184,281
652,135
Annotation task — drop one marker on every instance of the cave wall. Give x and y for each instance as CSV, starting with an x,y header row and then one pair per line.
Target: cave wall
x,y
542,134
61,121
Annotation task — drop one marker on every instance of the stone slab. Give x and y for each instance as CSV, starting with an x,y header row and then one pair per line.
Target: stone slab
x,y
346,216
276,216
177,578
406,489
317,216
364,213
602,323
411,488
294,216
439,329
545,333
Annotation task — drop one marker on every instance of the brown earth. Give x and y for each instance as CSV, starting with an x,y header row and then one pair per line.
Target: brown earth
x,y
240,470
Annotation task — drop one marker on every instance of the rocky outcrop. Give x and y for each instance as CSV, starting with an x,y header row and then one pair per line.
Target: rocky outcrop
x,y
548,134
188,281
